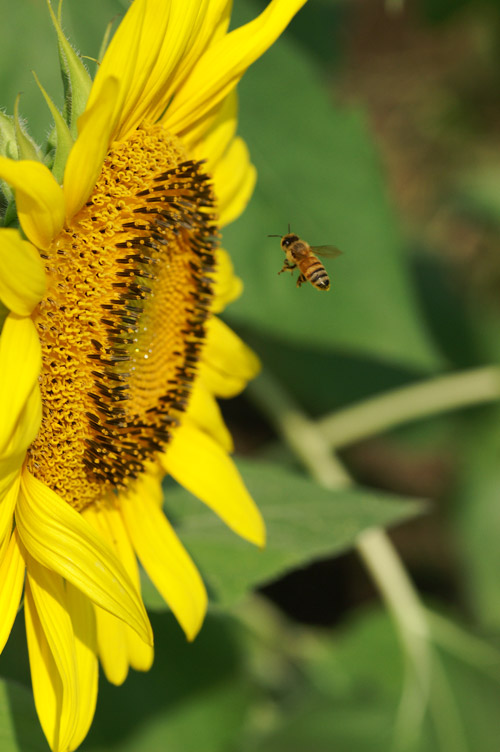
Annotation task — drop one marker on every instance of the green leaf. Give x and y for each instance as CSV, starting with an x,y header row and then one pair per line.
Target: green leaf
x,y
195,697
318,169
352,683
303,520
19,727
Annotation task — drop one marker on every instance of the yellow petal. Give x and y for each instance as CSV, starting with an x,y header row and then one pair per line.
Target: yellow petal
x,y
8,505
22,276
222,65
54,621
227,286
120,648
107,520
224,8
82,617
204,412
111,632
231,210
86,158
210,137
140,655
29,420
13,456
12,578
20,363
154,50
39,199
176,45
128,648
47,592
59,538
155,47
112,646
11,461
10,469
130,59
228,363
4,544
199,464
150,484
165,560
234,181
45,679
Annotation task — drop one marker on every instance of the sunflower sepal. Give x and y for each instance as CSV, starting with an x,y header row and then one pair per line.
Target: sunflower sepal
x,y
26,146
76,79
8,144
60,136
8,148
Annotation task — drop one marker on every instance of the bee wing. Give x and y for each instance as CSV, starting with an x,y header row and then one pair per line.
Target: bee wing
x,y
327,251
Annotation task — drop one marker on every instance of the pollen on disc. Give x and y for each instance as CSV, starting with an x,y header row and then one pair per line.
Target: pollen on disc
x,y
123,322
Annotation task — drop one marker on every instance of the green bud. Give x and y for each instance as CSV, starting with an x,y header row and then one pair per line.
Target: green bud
x,y
76,79
8,148
63,138
26,147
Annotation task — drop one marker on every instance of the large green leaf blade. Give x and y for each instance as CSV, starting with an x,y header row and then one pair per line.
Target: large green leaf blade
x,y
304,522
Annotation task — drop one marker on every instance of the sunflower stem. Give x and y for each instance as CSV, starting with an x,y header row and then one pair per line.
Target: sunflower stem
x,y
420,400
310,444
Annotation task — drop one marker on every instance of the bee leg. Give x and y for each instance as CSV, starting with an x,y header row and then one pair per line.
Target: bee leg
x,y
301,280
287,267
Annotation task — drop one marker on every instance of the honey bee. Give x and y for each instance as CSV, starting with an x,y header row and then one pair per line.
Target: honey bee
x,y
301,255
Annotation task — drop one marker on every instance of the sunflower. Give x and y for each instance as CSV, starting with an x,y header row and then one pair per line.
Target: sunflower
x,y
111,355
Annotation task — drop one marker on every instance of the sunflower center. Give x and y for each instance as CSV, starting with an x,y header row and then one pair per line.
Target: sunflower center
x,y
122,324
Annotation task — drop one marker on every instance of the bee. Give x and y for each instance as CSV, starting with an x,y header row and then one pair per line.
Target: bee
x,y
301,255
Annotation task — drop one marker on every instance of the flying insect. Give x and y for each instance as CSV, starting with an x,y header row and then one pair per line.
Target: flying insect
x,y
304,257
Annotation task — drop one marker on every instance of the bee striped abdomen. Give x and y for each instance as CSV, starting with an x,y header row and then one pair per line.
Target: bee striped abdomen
x,y
316,275
300,256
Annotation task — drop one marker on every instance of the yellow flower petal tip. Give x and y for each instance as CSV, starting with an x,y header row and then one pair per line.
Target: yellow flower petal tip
x,y
191,630
165,559
256,533
39,198
202,466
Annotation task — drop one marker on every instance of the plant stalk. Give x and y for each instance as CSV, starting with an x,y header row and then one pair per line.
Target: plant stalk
x,y
312,445
432,397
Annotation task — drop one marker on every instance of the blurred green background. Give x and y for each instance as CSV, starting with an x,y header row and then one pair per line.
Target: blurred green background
x,y
374,127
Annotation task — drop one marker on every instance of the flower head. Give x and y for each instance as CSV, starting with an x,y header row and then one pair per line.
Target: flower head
x,y
111,356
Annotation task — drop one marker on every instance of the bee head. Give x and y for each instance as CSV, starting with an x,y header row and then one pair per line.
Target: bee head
x,y
287,240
